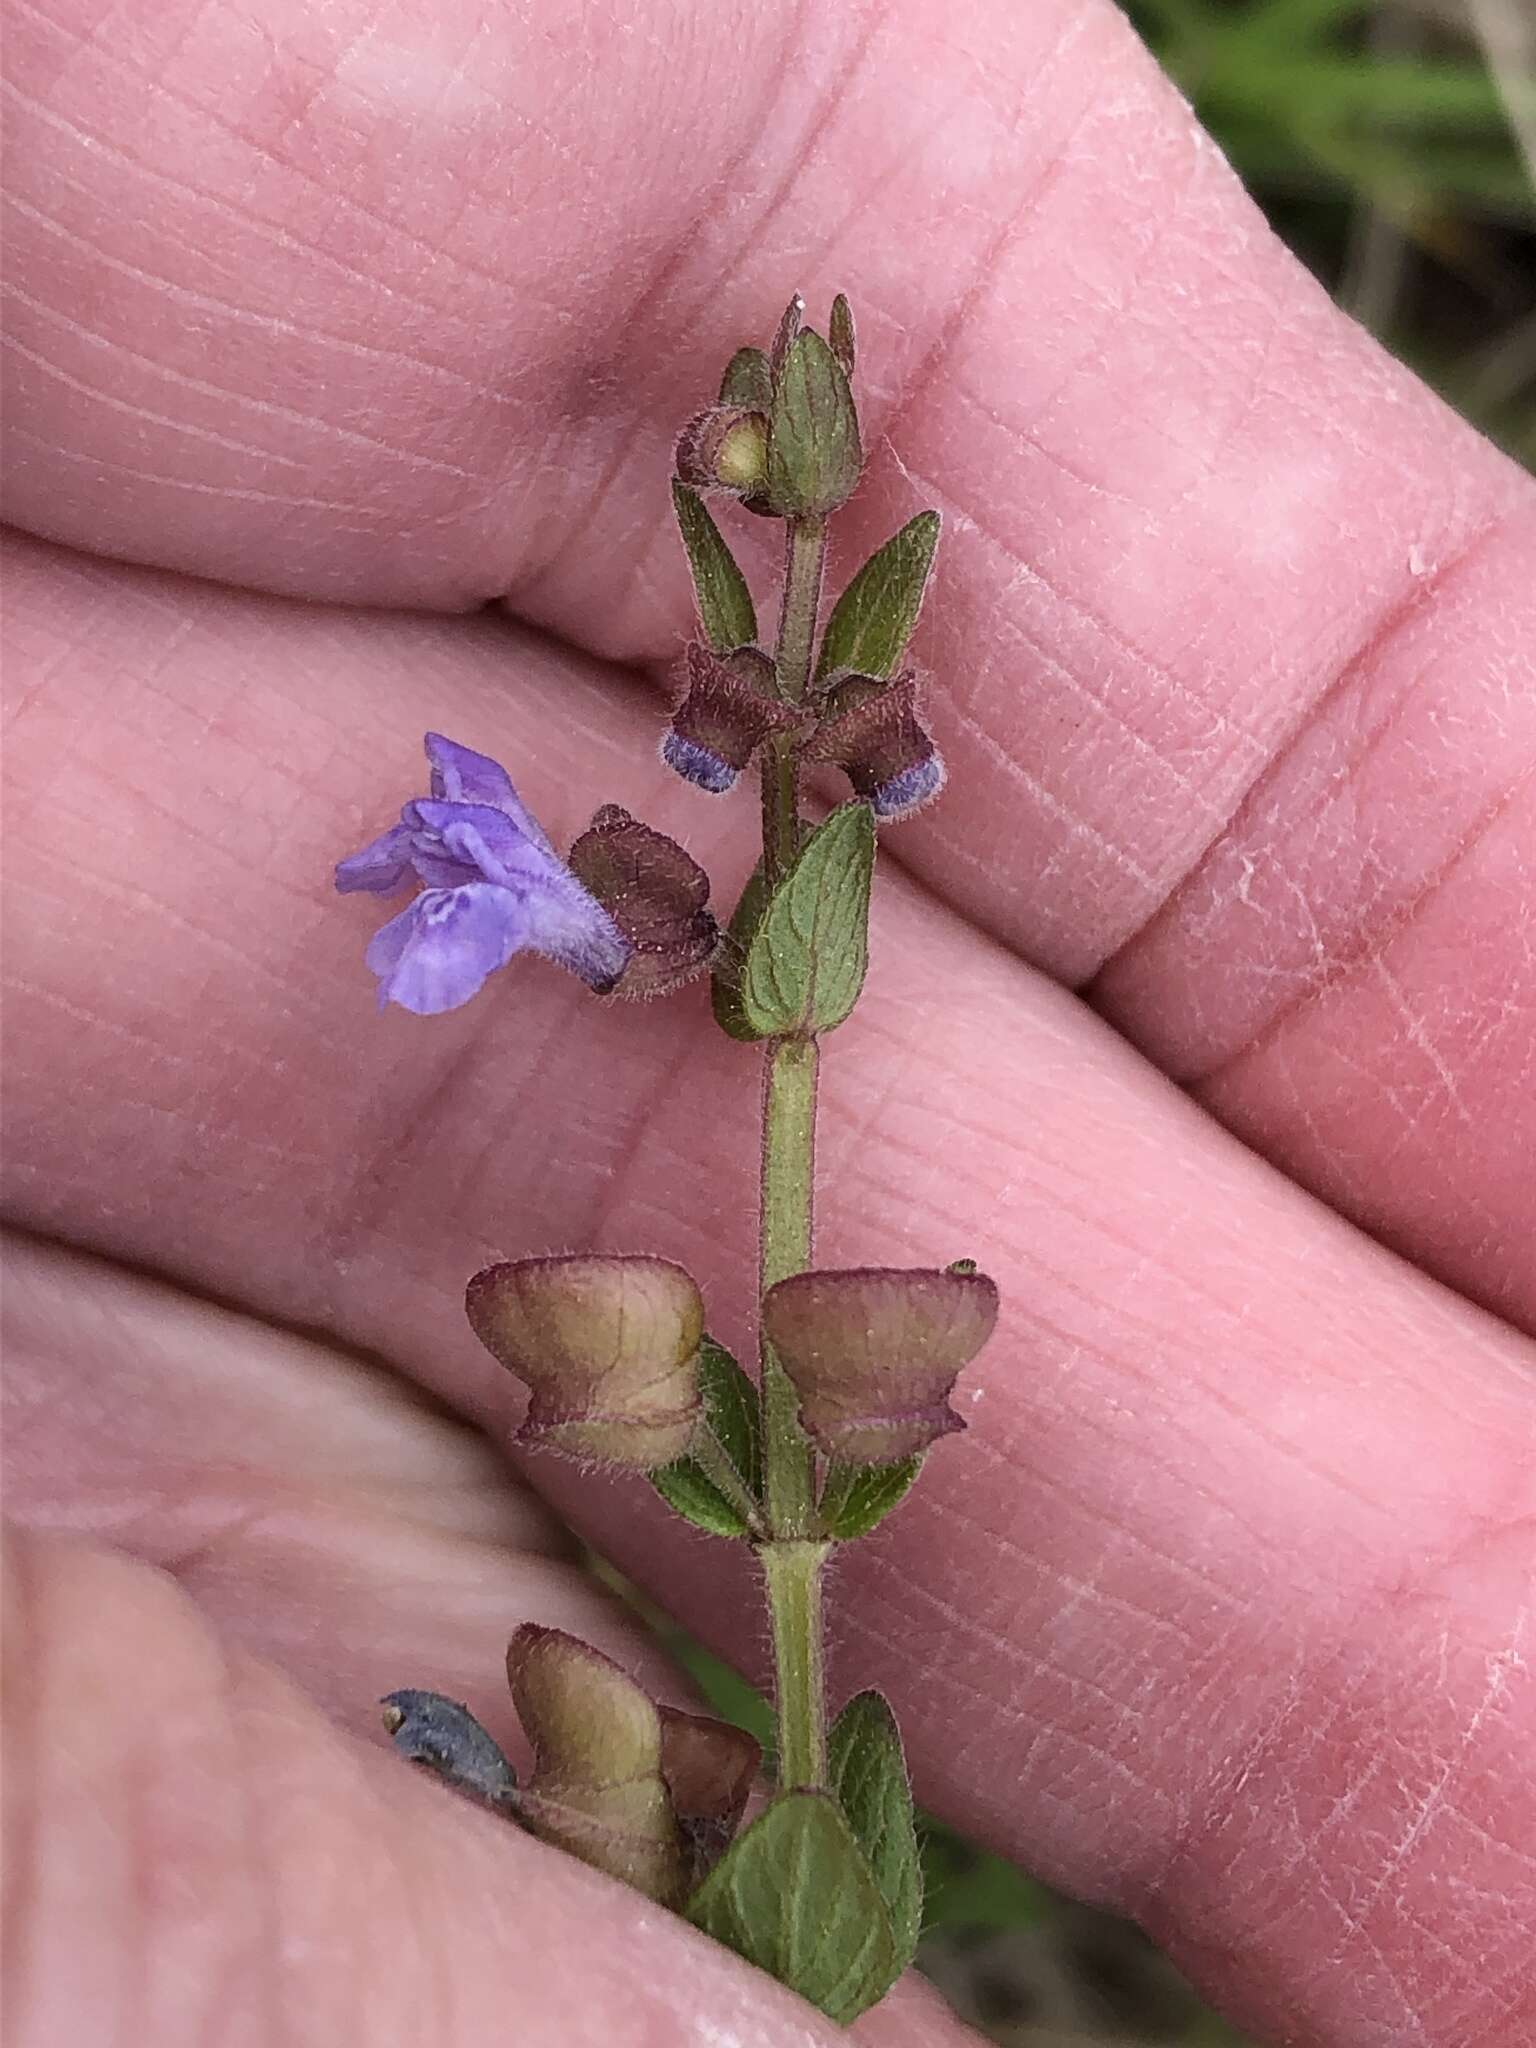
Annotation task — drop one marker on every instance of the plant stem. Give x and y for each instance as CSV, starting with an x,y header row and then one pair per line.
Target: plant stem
x,y
805,553
791,1562
789,1155
792,1574
781,809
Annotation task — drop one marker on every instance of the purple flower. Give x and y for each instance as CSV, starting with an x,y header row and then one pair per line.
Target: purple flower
x,y
494,887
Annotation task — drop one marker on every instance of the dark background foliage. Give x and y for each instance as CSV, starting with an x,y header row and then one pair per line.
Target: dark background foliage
x,y
1393,146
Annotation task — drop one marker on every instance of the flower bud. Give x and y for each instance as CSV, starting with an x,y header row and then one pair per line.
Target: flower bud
x,y
730,708
656,895
724,449
814,453
597,1789
871,730
609,1347
874,1352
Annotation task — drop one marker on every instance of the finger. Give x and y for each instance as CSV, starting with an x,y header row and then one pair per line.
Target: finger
x,y
1191,554
322,1515
1347,978
1261,1495
187,1839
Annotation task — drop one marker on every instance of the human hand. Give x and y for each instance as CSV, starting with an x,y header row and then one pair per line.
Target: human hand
x,y
1219,1614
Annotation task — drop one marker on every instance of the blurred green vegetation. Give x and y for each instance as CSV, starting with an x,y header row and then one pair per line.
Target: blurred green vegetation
x,y
1394,148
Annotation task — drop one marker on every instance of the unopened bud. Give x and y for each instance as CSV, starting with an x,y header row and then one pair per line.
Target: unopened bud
x,y
730,708
874,1353
724,449
814,452
609,1347
597,1788
871,731
655,893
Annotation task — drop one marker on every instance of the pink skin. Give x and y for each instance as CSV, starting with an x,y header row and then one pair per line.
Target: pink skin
x,y
1220,1612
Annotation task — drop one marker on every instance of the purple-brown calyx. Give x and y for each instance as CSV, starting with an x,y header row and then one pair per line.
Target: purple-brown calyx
x,y
874,1353
870,729
730,707
608,1346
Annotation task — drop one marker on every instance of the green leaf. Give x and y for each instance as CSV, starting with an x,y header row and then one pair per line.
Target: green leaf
x,y
725,603
731,1411
858,1497
689,1491
872,621
1388,91
795,1896
869,1776
725,981
731,1405
808,955
748,380
814,457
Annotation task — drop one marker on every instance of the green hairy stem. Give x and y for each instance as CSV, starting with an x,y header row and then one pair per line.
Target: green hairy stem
x,y
791,1565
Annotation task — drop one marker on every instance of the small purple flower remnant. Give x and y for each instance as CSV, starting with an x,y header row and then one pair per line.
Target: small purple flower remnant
x,y
870,729
730,707
494,886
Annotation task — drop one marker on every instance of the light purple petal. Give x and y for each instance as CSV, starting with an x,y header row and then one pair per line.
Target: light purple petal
x,y
380,867
486,843
389,942
465,777
439,867
437,953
